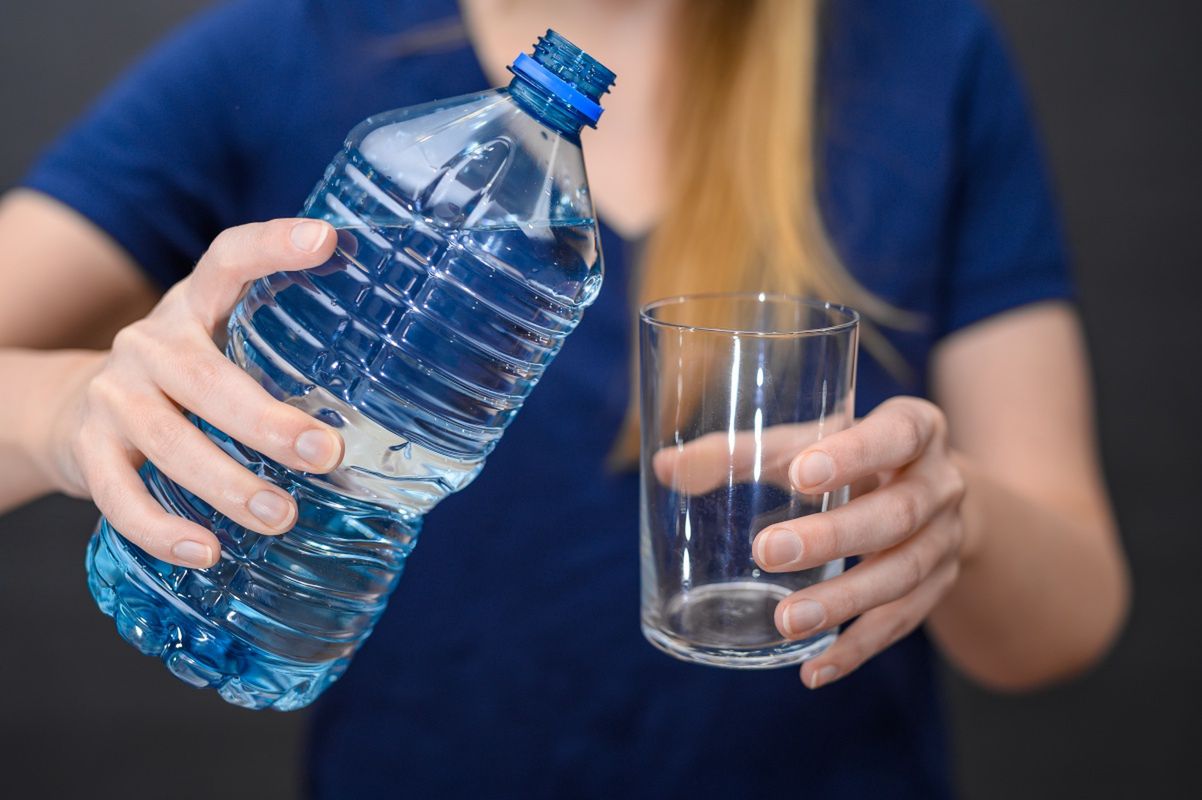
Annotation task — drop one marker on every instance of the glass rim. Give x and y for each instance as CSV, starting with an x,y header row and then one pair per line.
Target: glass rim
x,y
646,314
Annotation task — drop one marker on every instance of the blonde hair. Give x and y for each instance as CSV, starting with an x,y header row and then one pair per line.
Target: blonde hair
x,y
741,211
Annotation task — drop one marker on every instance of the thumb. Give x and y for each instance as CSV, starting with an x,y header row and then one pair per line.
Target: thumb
x,y
249,252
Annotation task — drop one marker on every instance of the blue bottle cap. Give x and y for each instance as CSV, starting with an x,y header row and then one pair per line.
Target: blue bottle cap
x,y
566,73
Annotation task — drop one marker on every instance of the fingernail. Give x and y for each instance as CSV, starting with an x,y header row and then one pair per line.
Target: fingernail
x,y
194,554
271,509
823,676
308,236
803,616
781,546
319,448
814,470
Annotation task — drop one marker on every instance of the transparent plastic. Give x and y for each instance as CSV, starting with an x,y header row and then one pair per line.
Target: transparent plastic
x,y
467,252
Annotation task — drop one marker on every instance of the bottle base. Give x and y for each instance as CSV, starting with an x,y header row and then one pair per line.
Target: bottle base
x,y
152,619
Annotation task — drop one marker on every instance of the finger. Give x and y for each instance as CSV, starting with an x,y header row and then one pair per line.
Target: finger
x,y
889,438
881,579
185,455
243,254
717,459
879,629
216,390
875,521
121,496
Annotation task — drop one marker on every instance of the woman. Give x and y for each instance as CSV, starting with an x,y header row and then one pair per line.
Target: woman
x,y
747,146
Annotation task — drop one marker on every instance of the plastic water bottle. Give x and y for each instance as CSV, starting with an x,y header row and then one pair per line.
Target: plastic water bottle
x,y
467,251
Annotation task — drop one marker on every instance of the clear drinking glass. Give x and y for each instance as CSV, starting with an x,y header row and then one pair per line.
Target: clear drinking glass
x,y
733,387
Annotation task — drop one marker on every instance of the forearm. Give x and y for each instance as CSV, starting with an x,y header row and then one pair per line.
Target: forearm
x,y
64,283
33,410
1043,587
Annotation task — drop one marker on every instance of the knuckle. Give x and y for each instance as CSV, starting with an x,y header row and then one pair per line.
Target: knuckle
x,y
229,481
936,419
911,565
206,374
134,340
863,647
955,486
850,452
917,420
140,534
165,434
284,420
222,258
909,432
124,338
896,628
275,426
842,603
950,576
102,391
146,536
920,407
932,419
826,535
860,652
200,377
218,248
907,512
227,270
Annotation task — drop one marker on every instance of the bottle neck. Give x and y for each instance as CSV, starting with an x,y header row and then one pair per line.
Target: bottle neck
x,y
537,102
560,84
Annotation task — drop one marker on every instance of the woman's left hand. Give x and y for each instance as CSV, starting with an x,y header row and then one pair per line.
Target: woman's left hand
x,y
907,529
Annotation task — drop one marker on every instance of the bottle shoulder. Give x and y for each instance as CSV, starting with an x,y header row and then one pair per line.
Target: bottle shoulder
x,y
475,161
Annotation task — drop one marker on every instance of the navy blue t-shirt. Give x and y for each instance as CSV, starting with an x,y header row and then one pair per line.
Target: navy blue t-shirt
x,y
510,660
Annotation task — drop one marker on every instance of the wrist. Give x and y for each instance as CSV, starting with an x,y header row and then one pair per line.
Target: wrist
x,y
53,384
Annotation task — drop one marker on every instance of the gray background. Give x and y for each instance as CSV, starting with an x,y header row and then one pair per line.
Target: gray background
x,y
1118,89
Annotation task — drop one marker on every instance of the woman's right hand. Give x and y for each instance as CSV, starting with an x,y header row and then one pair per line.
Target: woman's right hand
x,y
129,406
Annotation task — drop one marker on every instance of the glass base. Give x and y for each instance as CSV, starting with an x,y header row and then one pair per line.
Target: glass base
x,y
730,625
